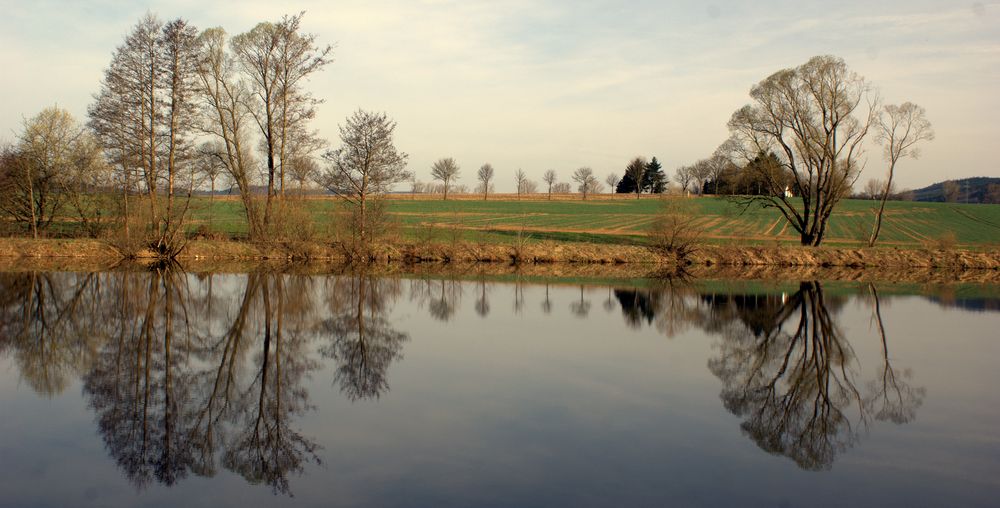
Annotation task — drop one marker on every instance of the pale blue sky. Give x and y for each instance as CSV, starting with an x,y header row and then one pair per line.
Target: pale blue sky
x,y
561,84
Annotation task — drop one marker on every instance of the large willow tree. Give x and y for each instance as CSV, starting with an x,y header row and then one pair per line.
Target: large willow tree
x,y
814,117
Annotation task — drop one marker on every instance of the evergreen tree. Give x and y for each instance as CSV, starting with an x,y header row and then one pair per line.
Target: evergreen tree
x,y
653,179
626,185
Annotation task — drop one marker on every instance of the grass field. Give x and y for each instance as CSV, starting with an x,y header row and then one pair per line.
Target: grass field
x,y
626,220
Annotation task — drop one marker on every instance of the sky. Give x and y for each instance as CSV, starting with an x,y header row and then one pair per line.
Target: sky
x,y
538,85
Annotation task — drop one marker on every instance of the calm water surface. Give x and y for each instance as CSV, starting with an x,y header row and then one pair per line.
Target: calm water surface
x,y
165,388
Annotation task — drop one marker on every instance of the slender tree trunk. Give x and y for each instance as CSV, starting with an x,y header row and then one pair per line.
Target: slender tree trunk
x,y
31,204
211,202
877,227
125,201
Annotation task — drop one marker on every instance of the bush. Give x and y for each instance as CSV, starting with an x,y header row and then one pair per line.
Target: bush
x,y
944,241
673,231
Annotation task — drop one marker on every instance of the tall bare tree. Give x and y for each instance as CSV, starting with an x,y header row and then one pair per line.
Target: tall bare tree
x,y
179,53
586,180
519,181
815,116
684,175
550,179
277,58
144,116
898,129
445,170
226,100
485,176
635,170
366,166
127,110
612,180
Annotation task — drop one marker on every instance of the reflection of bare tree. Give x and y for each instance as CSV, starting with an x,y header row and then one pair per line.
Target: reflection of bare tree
x,y
443,306
134,386
482,303
792,379
582,308
518,296
609,303
171,394
48,323
267,448
363,342
890,398
547,303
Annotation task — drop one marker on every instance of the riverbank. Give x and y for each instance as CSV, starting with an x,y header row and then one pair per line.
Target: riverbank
x,y
547,254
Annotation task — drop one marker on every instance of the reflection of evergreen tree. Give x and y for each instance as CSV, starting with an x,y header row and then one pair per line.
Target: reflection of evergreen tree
x,y
637,306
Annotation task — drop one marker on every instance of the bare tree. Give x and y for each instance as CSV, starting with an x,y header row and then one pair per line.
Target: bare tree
x,y
485,175
301,165
562,188
179,52
519,179
550,179
277,59
808,116
635,170
127,110
716,168
366,165
701,172
144,116
225,102
211,164
684,175
445,170
54,155
612,180
899,129
586,180
874,188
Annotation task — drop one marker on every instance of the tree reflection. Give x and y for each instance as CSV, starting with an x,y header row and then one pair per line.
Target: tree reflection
x,y
48,324
482,303
791,377
581,308
171,394
362,340
890,398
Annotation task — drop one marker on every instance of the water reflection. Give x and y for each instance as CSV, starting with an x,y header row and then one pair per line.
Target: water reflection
x,y
361,340
187,374
184,382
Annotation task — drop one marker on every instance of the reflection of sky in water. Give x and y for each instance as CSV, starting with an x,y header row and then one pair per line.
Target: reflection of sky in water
x,y
517,406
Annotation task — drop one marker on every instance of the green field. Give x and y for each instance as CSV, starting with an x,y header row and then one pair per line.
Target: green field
x,y
624,220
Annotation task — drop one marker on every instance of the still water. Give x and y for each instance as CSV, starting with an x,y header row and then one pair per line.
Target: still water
x,y
166,388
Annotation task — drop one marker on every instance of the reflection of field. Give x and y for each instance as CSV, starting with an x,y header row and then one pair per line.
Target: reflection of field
x,y
604,219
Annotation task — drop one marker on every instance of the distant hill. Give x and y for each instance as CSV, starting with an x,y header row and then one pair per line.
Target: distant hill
x,y
979,189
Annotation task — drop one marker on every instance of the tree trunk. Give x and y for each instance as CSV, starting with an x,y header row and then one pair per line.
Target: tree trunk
x,y
881,208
